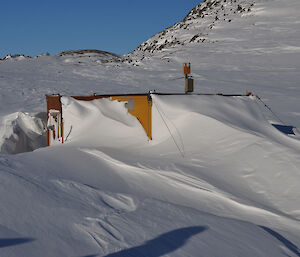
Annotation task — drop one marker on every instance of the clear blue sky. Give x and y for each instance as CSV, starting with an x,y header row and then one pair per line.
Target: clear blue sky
x,y
32,27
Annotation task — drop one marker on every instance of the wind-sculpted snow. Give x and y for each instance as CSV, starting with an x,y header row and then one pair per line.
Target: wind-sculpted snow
x,y
100,123
22,132
216,180
216,173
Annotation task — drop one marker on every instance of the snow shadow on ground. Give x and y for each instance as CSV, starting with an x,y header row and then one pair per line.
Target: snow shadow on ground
x,y
285,129
287,243
6,242
163,244
93,255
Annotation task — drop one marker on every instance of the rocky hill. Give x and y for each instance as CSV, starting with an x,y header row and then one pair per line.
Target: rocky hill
x,y
196,26
14,57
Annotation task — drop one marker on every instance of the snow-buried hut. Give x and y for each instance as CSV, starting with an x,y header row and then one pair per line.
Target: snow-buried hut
x,y
106,116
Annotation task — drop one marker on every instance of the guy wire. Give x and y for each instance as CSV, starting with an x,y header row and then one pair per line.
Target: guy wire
x,y
182,153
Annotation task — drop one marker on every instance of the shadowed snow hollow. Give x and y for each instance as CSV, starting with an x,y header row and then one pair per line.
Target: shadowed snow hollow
x,y
22,132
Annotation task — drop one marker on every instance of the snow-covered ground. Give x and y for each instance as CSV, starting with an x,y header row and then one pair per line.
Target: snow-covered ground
x,y
216,180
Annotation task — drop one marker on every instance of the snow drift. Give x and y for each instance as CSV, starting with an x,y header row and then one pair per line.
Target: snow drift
x,y
209,177
101,123
22,132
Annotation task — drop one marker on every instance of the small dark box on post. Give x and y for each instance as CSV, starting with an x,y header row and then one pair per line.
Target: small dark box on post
x,y
189,85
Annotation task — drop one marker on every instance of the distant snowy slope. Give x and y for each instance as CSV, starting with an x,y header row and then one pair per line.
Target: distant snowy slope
x,y
196,27
89,56
16,57
239,22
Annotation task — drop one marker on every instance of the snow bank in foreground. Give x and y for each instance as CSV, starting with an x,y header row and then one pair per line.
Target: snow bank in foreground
x,y
21,132
110,192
